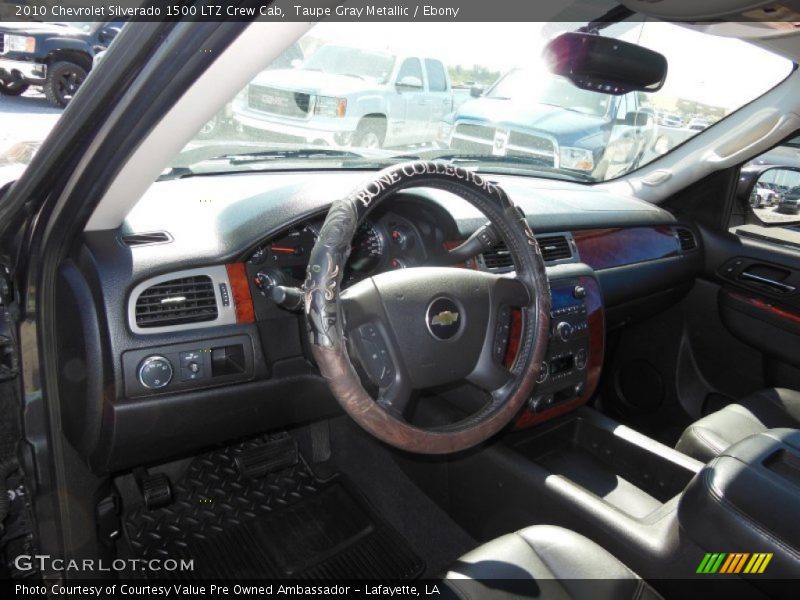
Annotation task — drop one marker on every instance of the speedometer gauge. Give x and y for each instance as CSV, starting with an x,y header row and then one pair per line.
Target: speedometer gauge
x,y
367,251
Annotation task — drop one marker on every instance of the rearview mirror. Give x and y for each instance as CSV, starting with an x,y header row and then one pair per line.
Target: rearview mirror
x,y
606,65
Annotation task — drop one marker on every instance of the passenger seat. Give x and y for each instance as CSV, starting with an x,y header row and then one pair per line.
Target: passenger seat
x,y
544,561
765,409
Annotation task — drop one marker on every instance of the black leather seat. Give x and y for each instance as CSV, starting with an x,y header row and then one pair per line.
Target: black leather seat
x,y
544,562
765,409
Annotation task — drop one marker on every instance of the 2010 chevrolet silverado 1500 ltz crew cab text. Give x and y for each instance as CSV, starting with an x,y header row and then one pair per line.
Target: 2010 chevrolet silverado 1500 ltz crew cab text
x,y
501,301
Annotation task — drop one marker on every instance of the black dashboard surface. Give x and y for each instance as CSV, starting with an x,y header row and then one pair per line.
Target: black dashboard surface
x,y
217,219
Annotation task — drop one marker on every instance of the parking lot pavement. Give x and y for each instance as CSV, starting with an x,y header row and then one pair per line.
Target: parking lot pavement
x,y
769,215
26,118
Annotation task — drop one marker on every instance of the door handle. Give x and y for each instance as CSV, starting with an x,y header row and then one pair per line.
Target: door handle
x,y
778,285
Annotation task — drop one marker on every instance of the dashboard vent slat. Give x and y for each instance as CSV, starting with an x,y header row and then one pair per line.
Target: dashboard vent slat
x,y
554,247
144,239
498,259
177,302
686,239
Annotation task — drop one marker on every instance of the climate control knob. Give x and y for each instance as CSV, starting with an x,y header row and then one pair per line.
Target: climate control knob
x,y
564,331
155,372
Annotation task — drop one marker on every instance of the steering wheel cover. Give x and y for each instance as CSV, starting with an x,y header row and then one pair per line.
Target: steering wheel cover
x,y
325,320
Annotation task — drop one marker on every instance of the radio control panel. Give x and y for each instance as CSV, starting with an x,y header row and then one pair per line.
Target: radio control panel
x,y
562,377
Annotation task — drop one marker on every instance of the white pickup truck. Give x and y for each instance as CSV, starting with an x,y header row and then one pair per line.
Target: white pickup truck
x,y
345,96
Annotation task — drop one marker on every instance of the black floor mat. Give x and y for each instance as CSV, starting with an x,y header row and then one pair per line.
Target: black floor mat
x,y
284,525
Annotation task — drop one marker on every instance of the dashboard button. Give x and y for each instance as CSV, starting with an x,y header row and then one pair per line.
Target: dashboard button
x,y
544,371
580,359
375,355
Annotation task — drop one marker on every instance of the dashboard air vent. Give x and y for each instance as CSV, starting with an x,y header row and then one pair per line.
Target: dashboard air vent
x,y
143,239
176,302
498,258
686,239
554,247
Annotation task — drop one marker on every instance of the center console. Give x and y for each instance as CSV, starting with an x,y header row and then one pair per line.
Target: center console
x,y
746,501
585,472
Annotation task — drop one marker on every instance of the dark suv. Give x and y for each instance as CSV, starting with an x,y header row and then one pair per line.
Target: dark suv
x,y
55,56
790,202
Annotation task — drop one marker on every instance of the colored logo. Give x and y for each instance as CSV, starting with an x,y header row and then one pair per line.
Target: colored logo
x,y
443,319
735,562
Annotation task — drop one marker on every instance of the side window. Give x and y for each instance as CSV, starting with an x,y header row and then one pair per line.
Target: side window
x,y
437,81
411,67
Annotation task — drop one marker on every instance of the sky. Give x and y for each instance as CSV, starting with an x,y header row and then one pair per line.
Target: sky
x,y
704,68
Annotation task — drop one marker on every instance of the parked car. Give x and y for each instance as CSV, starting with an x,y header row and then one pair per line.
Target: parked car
x,y
55,56
223,121
698,124
790,202
762,196
670,120
365,98
556,123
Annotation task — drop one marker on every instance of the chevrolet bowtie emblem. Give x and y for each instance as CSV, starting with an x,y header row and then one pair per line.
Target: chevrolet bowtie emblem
x,y
445,318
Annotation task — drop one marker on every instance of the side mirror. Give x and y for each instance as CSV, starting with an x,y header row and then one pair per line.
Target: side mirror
x,y
639,118
108,34
296,63
606,65
771,190
410,83
475,91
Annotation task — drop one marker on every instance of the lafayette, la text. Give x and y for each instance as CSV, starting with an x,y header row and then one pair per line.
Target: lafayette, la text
x,y
179,590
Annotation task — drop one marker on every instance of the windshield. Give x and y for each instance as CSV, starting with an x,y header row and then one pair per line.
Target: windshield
x,y
523,85
354,62
350,96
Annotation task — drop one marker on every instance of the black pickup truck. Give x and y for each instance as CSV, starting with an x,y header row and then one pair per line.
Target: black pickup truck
x,y
55,56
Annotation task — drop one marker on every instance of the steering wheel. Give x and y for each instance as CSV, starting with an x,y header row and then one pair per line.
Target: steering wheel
x,y
422,327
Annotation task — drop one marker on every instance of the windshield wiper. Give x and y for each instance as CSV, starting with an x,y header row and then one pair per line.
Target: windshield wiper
x,y
346,157
268,155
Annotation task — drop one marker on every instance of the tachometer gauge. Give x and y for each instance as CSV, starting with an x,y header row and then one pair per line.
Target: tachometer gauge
x,y
289,253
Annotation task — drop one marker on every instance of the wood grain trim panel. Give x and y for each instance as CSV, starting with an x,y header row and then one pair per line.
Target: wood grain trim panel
x,y
605,248
766,306
594,366
240,291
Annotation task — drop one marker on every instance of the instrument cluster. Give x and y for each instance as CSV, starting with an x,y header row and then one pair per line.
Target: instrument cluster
x,y
386,242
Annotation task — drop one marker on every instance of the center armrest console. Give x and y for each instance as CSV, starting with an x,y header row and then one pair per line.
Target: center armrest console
x,y
585,472
747,500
